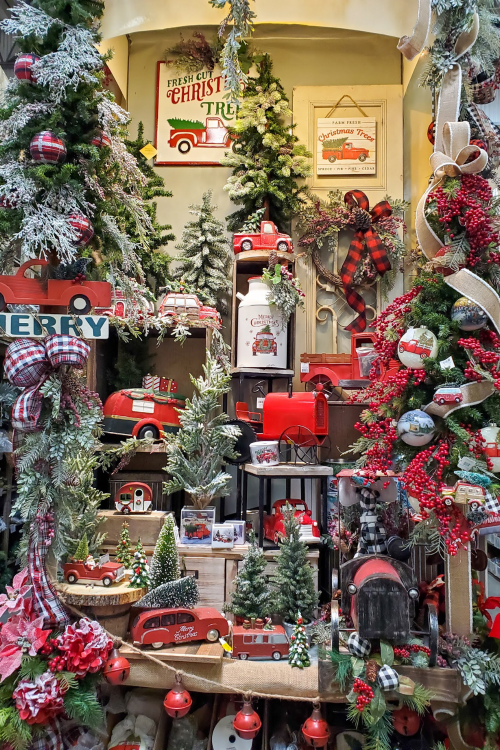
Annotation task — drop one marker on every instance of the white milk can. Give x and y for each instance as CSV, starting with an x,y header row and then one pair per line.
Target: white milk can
x,y
262,338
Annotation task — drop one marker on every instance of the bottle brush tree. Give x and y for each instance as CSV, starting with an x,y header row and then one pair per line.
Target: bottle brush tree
x,y
252,597
82,551
294,583
180,593
205,254
298,655
165,561
123,549
140,568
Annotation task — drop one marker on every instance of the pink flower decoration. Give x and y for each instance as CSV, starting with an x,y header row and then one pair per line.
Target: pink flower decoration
x,y
85,646
40,700
14,599
19,636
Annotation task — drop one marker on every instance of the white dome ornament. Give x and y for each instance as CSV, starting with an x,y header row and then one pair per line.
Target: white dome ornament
x,y
415,346
416,428
490,435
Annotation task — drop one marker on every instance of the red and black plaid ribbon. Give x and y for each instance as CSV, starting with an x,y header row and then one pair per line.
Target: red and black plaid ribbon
x,y
363,237
46,603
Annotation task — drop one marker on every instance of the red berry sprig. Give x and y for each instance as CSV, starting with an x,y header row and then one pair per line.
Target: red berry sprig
x,y
364,692
57,663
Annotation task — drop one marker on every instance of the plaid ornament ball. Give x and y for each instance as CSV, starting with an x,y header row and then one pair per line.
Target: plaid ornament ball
x,y
387,678
23,65
25,363
82,227
358,646
101,140
66,350
47,148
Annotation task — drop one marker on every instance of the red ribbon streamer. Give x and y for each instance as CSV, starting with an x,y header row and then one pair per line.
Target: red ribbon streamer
x,y
370,239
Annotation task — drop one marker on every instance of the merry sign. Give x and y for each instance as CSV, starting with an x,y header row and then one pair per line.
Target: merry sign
x,y
37,327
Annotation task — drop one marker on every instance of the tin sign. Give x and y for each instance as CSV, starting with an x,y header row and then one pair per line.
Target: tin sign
x,y
29,326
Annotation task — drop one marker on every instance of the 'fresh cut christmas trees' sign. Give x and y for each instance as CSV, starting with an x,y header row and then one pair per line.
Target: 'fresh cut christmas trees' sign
x,y
346,145
192,116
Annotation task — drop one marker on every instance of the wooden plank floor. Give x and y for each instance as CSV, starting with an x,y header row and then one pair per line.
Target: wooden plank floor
x,y
200,653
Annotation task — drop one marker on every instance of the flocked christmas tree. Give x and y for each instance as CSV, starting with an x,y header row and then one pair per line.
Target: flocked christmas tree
x,y
165,561
205,255
266,159
298,655
140,568
123,548
180,593
196,451
293,579
252,597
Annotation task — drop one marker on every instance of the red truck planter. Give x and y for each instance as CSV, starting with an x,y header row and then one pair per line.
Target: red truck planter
x,y
346,151
274,526
134,497
161,627
259,643
268,239
213,135
104,572
78,298
344,370
141,413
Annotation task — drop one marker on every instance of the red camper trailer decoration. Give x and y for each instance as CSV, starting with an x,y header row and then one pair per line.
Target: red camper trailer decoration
x,y
138,412
259,642
274,526
162,627
134,497
345,151
267,239
79,298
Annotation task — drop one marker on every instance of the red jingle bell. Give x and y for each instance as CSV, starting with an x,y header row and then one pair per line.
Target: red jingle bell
x,y
117,668
247,722
177,701
315,729
406,721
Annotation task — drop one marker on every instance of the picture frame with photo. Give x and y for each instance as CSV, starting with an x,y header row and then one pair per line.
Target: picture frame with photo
x,y
196,526
222,536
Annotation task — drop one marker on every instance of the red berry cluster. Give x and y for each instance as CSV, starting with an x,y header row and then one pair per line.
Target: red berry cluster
x,y
47,648
416,647
364,693
469,209
79,278
401,652
57,664
485,358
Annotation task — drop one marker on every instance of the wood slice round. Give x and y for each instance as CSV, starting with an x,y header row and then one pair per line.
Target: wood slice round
x,y
80,595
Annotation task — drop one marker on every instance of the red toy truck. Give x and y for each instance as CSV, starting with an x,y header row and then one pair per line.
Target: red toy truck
x,y
264,343
177,303
104,572
78,298
141,413
257,643
213,134
274,527
268,239
346,151
161,627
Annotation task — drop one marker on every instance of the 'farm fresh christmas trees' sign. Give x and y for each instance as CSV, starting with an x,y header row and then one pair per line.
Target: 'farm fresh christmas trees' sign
x,y
192,116
346,145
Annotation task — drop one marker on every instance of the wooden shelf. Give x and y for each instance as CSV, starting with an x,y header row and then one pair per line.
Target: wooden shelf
x,y
260,256
288,470
196,653
155,448
262,372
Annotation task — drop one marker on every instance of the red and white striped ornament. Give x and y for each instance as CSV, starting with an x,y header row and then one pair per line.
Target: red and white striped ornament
x,y
83,228
47,148
23,66
101,139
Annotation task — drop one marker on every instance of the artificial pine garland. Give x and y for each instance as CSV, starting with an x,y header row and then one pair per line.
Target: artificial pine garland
x,y
241,17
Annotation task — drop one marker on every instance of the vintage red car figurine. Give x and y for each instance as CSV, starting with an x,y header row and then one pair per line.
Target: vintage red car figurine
x,y
79,298
141,413
448,394
102,572
134,497
274,527
267,239
346,151
177,303
259,643
162,627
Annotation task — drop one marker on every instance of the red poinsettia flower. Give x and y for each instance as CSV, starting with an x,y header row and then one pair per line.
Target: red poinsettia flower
x,y
14,599
40,700
19,635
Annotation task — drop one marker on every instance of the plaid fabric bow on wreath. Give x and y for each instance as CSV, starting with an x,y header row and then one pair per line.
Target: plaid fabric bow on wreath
x,y
366,236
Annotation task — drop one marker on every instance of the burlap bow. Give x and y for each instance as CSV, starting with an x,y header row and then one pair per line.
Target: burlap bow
x,y
366,235
410,47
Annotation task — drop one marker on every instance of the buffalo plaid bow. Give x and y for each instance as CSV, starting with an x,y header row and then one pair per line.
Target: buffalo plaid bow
x,y
364,237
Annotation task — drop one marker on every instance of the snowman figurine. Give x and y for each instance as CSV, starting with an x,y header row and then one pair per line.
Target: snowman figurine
x,y
372,535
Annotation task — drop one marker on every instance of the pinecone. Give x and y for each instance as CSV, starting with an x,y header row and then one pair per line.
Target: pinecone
x,y
286,150
361,219
371,670
273,259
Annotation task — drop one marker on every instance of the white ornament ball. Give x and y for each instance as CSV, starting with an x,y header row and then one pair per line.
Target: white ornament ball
x,y
490,435
415,346
416,428
468,315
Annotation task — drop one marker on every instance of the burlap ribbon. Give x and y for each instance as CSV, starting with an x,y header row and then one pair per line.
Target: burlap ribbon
x,y
410,47
473,393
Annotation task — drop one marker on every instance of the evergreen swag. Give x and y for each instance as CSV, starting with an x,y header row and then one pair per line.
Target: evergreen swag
x,y
293,580
266,159
123,550
165,561
205,254
252,597
196,450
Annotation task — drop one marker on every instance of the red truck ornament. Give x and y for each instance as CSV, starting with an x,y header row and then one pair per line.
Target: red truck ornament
x,y
213,134
267,239
178,303
274,526
102,573
162,627
79,298
346,151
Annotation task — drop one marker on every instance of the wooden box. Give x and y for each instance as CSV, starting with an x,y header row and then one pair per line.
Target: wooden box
x,y
147,526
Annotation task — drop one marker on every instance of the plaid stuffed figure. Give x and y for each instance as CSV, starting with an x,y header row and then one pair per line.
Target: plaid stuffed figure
x,y
372,535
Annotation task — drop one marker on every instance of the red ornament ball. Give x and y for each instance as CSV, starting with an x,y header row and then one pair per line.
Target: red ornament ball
x,y
247,722
6,202
315,729
23,65
406,721
431,132
177,701
83,227
117,668
101,139
47,148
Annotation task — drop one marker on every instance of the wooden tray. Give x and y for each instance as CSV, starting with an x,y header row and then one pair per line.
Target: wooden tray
x,y
200,652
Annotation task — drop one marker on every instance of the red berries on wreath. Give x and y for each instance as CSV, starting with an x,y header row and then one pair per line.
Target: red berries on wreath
x,y
364,692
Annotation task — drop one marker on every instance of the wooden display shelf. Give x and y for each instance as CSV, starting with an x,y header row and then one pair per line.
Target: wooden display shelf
x,y
147,526
297,471
261,372
194,653
85,596
154,448
261,256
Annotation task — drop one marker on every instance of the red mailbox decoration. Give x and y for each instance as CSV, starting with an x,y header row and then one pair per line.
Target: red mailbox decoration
x,y
247,722
177,701
117,668
315,729
23,65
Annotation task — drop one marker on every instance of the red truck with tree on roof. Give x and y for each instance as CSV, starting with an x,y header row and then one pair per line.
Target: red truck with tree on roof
x,y
188,134
267,239
333,152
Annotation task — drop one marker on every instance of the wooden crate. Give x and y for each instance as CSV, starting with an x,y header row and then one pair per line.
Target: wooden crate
x,y
147,526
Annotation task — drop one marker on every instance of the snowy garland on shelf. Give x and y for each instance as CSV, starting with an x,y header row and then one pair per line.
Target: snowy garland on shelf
x,y
285,293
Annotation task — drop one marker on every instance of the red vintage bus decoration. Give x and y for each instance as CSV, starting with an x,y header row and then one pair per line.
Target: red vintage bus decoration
x,y
138,412
161,627
259,643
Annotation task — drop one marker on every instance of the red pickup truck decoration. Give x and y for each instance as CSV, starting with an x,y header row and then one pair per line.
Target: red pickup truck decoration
x,y
267,239
345,151
188,134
